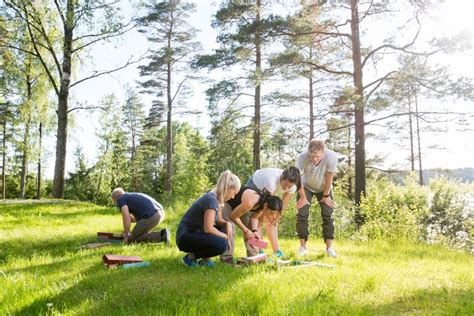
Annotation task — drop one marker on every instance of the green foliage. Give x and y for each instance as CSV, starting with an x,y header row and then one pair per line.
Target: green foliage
x,y
451,215
190,163
79,185
230,147
393,211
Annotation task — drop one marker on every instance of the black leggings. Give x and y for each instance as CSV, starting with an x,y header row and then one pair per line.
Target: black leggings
x,y
201,244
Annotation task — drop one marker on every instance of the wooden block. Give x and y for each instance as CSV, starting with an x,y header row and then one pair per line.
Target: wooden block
x,y
109,236
261,257
260,244
113,259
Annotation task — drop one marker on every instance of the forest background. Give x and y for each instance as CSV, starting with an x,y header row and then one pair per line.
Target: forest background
x,y
134,95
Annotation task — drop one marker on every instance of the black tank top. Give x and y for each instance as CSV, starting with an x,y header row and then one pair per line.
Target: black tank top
x,y
237,200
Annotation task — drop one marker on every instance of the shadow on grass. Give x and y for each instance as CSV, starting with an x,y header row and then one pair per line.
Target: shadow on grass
x,y
166,287
27,248
425,302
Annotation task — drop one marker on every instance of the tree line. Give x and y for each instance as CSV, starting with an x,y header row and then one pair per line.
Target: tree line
x,y
317,69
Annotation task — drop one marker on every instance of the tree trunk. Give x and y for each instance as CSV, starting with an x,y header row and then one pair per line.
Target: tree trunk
x,y
169,128
38,176
419,140
358,112
257,116
311,106
62,112
24,159
4,158
412,150
349,160
26,143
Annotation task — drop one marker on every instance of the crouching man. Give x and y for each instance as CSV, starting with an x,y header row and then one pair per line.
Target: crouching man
x,y
145,211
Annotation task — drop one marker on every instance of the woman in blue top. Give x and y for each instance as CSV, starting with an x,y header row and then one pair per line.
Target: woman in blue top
x,y
202,232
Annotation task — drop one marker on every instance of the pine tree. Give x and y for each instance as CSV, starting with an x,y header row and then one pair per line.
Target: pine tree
x,y
167,73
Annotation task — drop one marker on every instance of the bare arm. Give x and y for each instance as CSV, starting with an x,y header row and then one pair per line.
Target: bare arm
x,y
272,236
285,199
221,222
126,218
249,199
209,221
254,221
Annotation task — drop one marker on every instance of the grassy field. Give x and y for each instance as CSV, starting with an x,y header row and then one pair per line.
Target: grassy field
x,y
42,271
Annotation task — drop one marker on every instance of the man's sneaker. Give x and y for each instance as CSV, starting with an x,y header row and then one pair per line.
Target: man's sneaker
x,y
331,252
302,251
166,236
205,262
189,262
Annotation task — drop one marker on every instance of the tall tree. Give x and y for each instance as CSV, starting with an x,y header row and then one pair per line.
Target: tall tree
x,y
79,22
168,72
365,58
134,120
245,30
417,80
9,81
305,58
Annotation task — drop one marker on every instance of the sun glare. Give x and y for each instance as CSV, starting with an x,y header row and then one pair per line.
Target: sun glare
x,y
456,15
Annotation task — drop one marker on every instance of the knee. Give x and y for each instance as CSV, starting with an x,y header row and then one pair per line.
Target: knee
x,y
303,213
327,218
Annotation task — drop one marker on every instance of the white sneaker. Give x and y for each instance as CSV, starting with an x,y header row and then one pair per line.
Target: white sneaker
x,y
302,251
331,252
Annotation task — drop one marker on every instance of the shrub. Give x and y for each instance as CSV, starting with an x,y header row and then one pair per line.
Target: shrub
x,y
393,211
451,215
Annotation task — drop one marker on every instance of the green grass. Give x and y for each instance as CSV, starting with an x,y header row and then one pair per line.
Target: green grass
x,y
44,272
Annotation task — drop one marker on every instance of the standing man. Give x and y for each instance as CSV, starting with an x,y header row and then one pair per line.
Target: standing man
x,y
145,211
317,166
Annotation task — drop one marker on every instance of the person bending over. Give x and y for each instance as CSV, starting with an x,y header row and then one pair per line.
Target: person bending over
x,y
317,165
278,182
247,209
145,211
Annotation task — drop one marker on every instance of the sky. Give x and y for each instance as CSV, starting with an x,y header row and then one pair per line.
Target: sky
x,y
453,15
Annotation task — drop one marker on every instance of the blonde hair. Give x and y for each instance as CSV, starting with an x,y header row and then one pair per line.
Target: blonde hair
x,y
227,180
316,145
117,192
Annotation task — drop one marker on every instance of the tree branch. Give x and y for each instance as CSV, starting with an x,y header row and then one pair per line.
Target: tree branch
x,y
115,33
100,73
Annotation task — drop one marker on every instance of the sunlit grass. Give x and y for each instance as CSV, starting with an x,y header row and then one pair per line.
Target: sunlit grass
x,y
44,271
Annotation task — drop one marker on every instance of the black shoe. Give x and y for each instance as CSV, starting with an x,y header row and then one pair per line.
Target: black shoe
x,y
165,236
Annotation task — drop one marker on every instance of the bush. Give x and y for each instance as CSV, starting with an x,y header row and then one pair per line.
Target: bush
x,y
451,215
393,211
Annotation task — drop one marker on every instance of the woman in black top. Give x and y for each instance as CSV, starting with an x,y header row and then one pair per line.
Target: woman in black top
x,y
247,209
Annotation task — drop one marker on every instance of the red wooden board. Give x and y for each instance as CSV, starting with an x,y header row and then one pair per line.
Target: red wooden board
x,y
113,259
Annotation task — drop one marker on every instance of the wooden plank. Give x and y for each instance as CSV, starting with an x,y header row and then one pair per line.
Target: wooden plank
x,y
261,257
109,236
94,245
114,259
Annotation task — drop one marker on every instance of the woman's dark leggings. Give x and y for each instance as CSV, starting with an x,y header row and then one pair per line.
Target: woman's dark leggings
x,y
201,244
